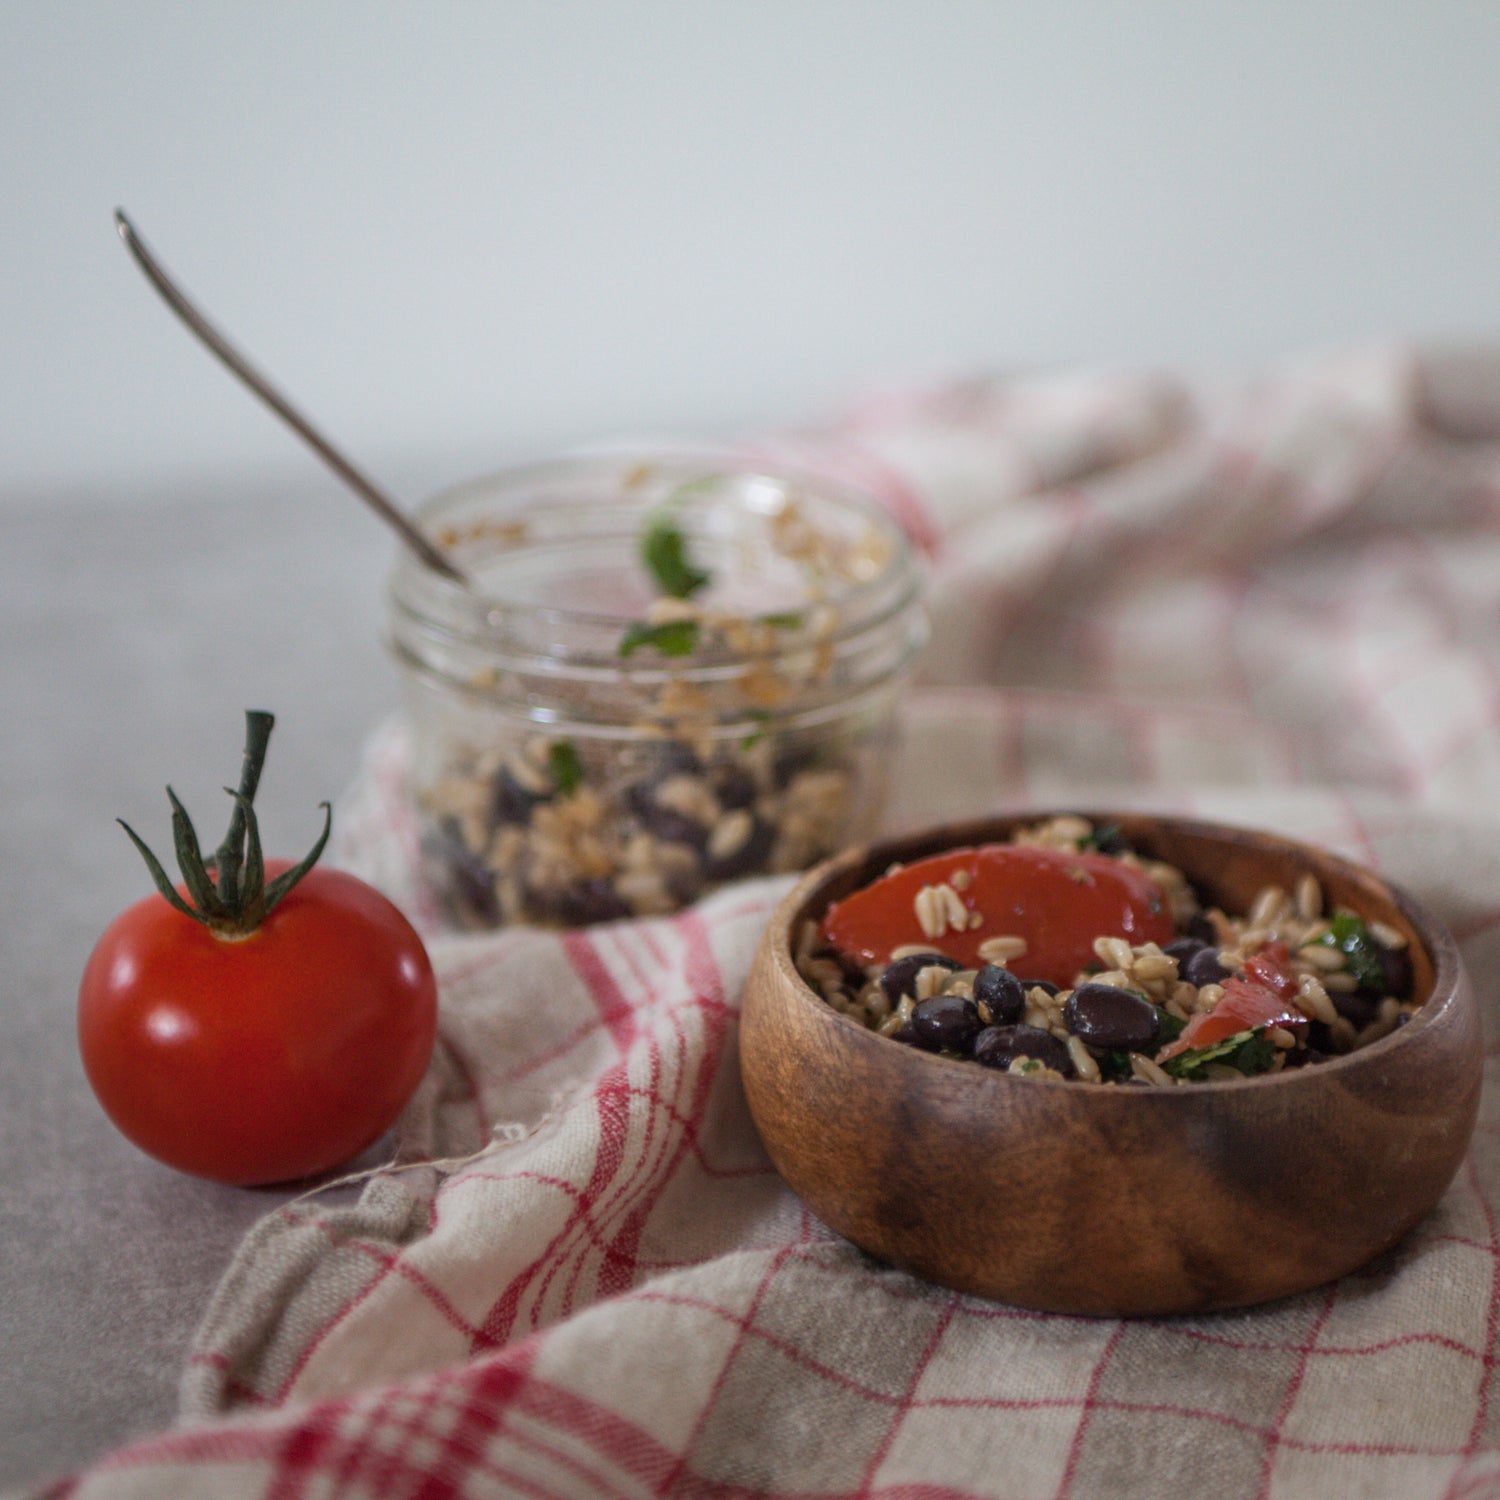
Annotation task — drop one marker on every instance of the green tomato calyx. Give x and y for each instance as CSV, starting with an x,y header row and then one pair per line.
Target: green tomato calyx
x,y
229,891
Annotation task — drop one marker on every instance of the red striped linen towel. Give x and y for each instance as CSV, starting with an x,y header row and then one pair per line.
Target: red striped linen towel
x,y
1277,604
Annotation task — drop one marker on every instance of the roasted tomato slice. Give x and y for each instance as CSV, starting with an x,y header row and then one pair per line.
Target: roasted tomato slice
x,y
1259,998
1270,967
1058,902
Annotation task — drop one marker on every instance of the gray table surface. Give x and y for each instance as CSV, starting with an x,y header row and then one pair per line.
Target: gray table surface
x,y
132,638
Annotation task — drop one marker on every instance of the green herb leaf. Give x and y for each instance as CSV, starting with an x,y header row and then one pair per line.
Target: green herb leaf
x,y
763,721
566,768
1253,1056
1171,1026
1351,937
787,620
674,638
1246,1051
664,552
1185,1064
1107,839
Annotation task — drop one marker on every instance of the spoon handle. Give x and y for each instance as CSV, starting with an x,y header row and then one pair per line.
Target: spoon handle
x,y
178,301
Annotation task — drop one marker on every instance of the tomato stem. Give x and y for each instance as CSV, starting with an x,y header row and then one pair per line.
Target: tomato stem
x,y
242,899
229,859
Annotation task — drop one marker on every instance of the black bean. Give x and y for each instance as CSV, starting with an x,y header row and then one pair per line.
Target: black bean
x,y
588,901
998,989
1204,968
673,827
946,1023
685,882
1304,1057
1039,984
639,796
790,761
1184,948
748,858
666,823
853,973
1358,1010
1103,1016
469,882
512,802
900,975
667,759
906,1034
673,758
1198,926
1395,968
733,785
999,1046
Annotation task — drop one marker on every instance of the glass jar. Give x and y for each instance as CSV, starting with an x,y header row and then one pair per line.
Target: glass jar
x,y
673,670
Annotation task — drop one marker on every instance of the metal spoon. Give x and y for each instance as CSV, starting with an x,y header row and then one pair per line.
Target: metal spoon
x,y
380,503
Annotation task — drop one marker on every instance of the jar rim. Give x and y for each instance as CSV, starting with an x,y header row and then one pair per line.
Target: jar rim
x,y
560,528
424,592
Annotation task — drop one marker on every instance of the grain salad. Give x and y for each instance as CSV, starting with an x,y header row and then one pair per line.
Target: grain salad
x,y
674,673
1063,953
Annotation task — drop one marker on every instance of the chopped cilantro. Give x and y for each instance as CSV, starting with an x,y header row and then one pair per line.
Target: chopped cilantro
x,y
1246,1051
566,768
1185,1064
673,638
1351,937
1253,1055
787,620
665,555
1171,1026
756,735
1107,839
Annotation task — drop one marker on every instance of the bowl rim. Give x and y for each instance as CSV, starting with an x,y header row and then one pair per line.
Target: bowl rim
x,y
1448,973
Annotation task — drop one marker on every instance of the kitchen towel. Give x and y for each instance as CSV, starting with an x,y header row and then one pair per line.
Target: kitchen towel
x,y
1275,603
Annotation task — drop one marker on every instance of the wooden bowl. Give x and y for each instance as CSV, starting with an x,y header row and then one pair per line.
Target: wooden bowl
x,y
1077,1198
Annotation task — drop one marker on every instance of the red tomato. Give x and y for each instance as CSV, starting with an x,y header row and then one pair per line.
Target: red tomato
x,y
1269,968
263,1058
1261,998
1058,902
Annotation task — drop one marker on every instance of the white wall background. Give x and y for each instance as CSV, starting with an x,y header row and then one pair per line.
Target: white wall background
x,y
461,233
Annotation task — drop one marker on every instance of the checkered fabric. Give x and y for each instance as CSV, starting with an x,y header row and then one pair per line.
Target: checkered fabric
x,y
1277,605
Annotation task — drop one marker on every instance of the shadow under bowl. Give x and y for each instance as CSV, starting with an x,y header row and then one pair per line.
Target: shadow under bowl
x,y
1078,1198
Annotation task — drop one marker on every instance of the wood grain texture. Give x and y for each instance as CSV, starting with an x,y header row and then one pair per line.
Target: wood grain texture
x,y
1084,1199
